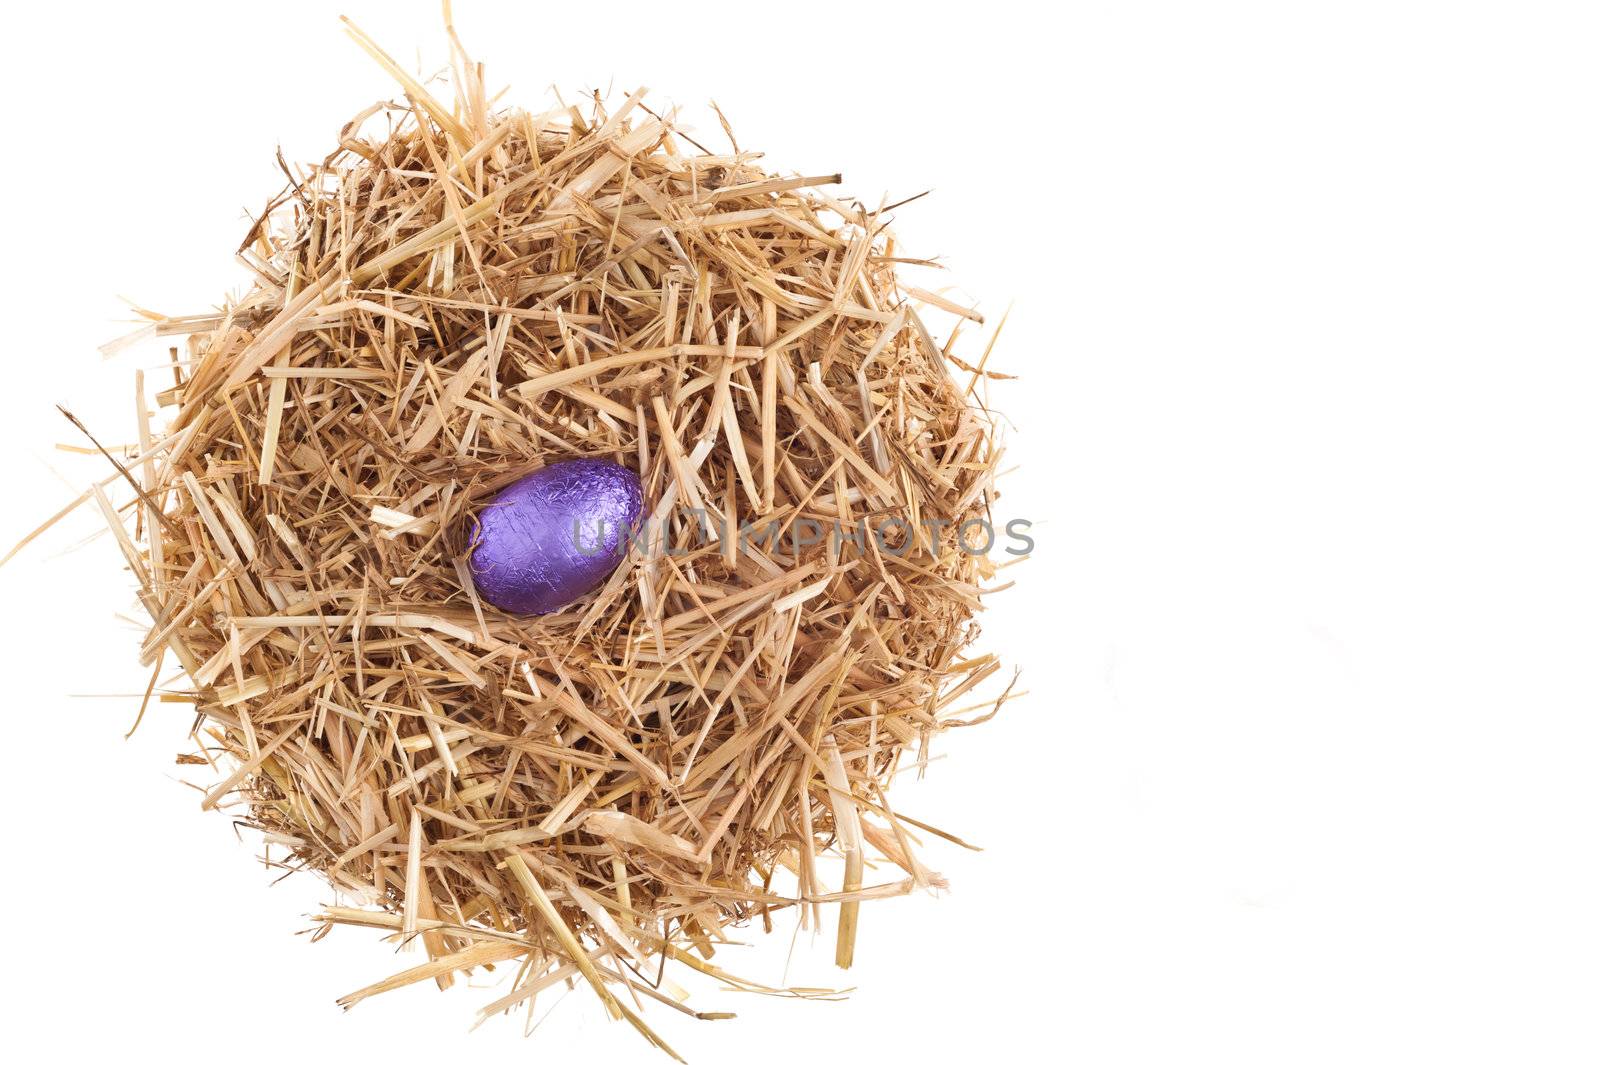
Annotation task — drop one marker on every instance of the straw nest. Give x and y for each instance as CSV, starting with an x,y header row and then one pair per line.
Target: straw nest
x,y
454,298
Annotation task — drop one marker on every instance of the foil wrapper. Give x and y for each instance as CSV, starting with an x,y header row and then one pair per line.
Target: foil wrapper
x,y
555,535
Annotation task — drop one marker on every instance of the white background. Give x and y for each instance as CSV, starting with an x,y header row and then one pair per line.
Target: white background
x,y
1306,317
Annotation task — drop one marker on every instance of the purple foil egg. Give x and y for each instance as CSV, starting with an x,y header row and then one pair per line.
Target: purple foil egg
x,y
555,535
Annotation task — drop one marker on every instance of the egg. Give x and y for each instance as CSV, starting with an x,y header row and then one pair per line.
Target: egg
x,y
555,535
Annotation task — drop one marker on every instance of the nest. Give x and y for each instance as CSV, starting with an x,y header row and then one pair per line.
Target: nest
x,y
456,297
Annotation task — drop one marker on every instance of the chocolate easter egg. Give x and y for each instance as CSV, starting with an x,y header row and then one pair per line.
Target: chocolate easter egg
x,y
555,535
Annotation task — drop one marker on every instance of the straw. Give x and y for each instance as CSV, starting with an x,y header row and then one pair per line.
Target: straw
x,y
454,298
